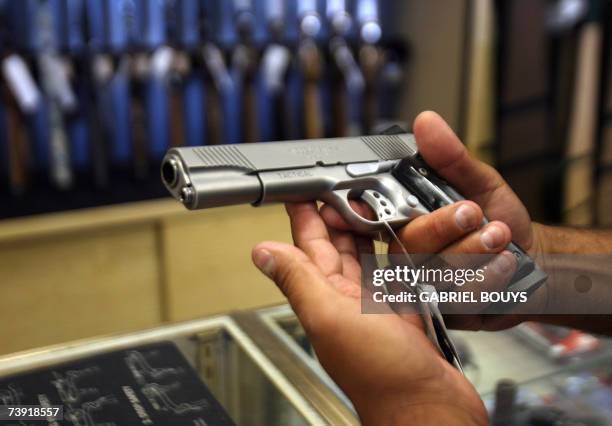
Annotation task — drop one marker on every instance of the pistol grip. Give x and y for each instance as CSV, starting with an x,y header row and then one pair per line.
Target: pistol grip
x,y
434,192
528,276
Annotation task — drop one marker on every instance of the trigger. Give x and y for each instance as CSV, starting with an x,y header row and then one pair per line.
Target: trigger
x,y
382,206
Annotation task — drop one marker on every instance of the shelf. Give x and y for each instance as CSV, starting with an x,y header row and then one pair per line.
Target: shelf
x,y
47,225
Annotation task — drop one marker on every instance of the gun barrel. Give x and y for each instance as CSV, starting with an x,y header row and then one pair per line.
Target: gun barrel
x,y
212,176
213,188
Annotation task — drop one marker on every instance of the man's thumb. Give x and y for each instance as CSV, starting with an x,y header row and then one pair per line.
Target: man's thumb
x,y
293,272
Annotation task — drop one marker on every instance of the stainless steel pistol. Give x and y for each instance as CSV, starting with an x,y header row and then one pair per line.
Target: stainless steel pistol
x,y
384,171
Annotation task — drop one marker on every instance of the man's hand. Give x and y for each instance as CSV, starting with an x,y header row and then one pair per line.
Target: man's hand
x,y
383,362
475,180
456,229
458,223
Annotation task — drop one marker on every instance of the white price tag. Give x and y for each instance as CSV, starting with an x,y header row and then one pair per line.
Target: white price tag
x,y
21,83
274,65
161,61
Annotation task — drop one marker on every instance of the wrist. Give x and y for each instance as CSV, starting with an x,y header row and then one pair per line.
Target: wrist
x,y
421,413
448,399
541,240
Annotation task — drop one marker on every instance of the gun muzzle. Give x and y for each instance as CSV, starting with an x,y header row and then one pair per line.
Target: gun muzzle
x,y
216,187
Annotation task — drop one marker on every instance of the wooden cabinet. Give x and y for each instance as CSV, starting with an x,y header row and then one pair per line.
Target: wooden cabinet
x,y
81,284
208,266
99,271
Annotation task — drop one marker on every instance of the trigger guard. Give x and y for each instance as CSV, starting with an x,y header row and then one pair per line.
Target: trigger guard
x,y
339,199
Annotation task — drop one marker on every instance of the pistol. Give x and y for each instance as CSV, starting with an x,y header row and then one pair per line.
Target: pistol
x,y
384,171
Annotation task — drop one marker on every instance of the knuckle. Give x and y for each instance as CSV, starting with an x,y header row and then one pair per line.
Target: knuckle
x,y
438,227
506,229
472,244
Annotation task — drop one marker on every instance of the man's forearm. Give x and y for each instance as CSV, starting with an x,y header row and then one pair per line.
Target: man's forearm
x,y
555,249
565,240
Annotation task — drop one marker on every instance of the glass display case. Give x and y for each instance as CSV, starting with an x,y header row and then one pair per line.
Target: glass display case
x,y
258,382
546,375
261,368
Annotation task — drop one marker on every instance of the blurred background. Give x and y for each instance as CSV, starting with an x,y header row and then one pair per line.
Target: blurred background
x,y
93,92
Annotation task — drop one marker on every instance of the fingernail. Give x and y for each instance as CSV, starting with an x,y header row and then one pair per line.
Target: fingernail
x,y
503,263
264,261
492,237
466,217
